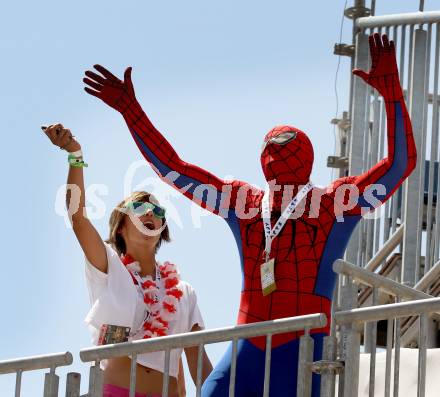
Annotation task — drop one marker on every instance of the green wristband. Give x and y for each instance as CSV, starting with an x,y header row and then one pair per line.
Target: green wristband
x,y
76,161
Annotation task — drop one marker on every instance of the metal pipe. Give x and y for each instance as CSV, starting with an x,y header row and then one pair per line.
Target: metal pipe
x,y
18,383
412,18
351,376
378,281
133,374
210,336
422,355
95,380
358,131
36,362
233,368
377,313
430,241
73,384
413,200
373,342
166,373
328,377
435,127
396,355
51,384
305,359
429,277
199,370
267,361
386,249
388,357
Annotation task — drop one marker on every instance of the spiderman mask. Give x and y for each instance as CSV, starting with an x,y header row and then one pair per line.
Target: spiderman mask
x,y
287,156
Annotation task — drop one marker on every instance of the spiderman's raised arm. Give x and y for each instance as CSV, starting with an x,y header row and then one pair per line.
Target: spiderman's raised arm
x,y
207,190
390,172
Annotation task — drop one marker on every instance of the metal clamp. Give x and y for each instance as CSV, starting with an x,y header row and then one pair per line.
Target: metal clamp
x,y
323,366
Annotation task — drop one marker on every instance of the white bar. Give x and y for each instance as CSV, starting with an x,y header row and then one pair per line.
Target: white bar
x,y
233,368
430,238
267,365
388,357
386,249
421,384
305,359
328,378
199,370
211,336
358,131
133,375
373,342
18,383
166,374
378,281
411,18
351,376
36,362
429,277
413,200
396,355
73,384
51,384
377,313
95,380
435,139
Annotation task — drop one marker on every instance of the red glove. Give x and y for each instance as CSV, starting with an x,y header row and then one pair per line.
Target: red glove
x,y
384,75
116,93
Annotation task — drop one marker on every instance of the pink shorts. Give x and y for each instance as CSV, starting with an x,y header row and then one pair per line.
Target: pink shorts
x,y
116,391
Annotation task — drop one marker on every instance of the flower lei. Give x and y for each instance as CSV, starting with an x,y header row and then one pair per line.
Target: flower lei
x,y
161,295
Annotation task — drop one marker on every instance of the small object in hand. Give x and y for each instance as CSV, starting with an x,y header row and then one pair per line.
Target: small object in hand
x,y
110,334
44,128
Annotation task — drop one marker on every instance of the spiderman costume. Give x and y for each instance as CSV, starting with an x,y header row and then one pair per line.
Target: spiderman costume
x,y
308,243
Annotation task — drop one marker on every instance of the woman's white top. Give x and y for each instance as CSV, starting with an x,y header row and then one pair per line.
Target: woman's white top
x,y
116,300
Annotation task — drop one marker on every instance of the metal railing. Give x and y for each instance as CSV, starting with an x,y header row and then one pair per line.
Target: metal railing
x,y
408,223
200,339
409,220
350,322
355,318
47,361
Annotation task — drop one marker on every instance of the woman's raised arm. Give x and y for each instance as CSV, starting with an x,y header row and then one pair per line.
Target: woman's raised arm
x,y
88,238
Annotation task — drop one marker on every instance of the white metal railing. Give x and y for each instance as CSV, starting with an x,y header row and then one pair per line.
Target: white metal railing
x,y
409,223
200,339
349,323
354,318
414,205
47,361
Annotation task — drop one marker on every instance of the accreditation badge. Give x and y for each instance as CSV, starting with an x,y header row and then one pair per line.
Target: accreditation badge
x,y
109,334
267,271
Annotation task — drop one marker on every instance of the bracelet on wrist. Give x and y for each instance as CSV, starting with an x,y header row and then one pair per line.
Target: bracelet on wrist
x,y
76,161
78,153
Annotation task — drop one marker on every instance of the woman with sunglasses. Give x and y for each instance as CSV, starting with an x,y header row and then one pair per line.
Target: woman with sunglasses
x,y
133,296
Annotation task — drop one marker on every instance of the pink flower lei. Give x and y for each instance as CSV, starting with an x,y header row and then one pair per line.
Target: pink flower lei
x,y
161,295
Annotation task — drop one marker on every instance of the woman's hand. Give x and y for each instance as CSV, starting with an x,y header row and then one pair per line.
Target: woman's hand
x,y
61,137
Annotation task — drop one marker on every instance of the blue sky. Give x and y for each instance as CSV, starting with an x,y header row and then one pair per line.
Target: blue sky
x,y
214,78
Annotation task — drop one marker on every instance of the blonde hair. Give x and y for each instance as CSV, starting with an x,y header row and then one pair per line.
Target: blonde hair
x,y
117,219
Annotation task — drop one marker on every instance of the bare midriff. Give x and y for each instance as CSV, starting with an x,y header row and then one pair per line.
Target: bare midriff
x,y
148,380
